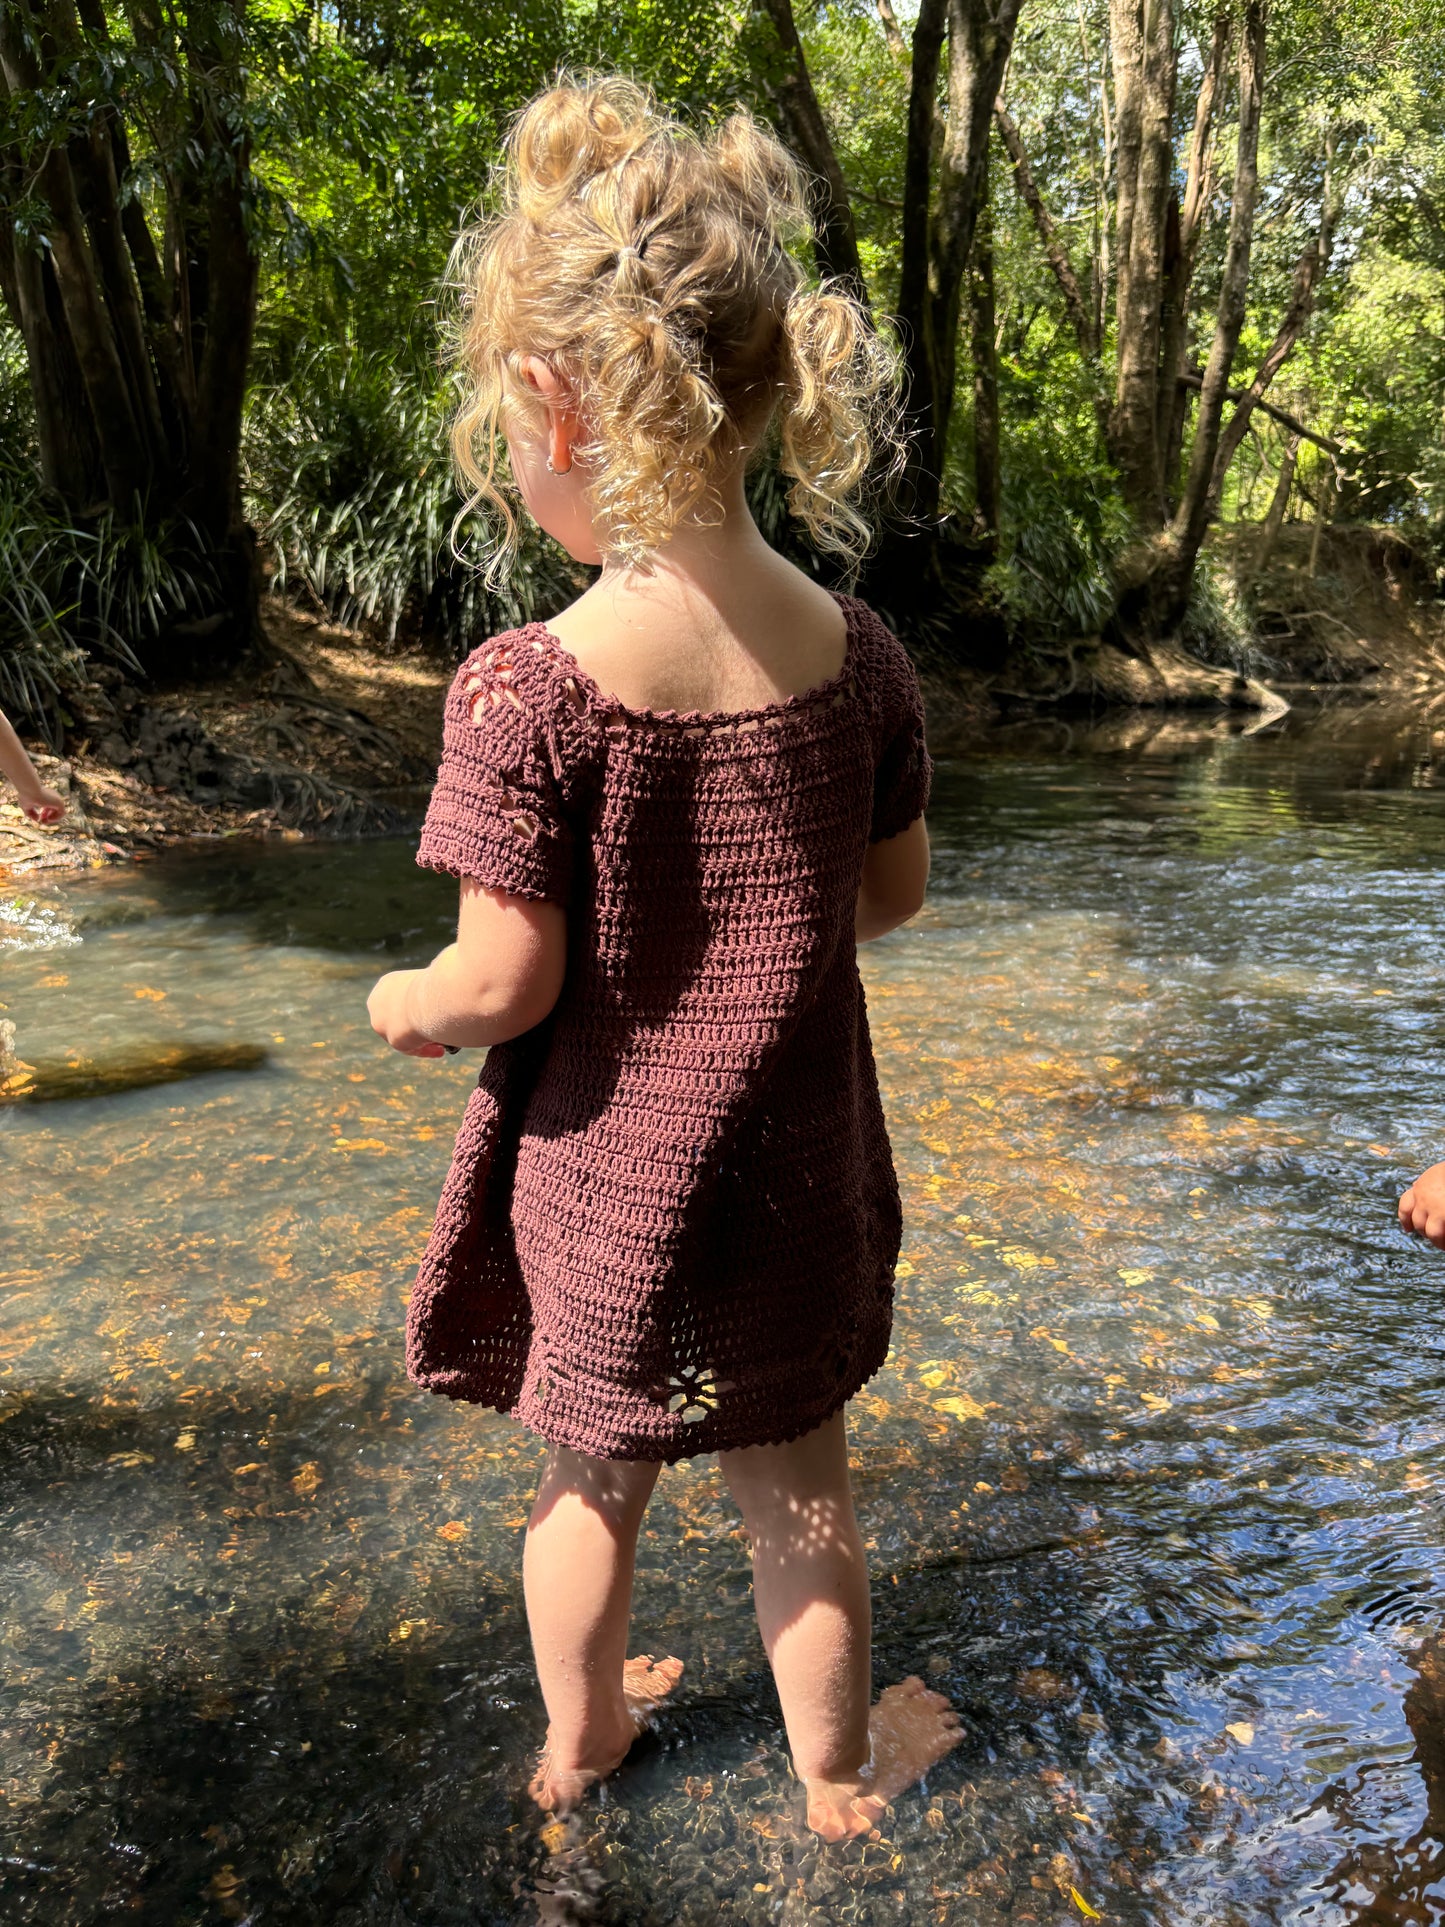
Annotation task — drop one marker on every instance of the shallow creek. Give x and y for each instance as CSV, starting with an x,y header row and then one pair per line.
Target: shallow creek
x,y
1152,1481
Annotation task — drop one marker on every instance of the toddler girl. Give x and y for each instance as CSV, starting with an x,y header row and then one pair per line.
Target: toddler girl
x,y
671,1221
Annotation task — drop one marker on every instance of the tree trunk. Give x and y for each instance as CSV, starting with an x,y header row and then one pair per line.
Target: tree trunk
x,y
1310,270
980,39
1145,65
1323,511
1198,187
915,317
69,456
836,235
1192,516
1274,516
987,483
138,374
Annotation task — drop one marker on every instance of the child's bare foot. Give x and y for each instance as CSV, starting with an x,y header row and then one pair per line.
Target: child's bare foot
x,y
559,1784
910,1729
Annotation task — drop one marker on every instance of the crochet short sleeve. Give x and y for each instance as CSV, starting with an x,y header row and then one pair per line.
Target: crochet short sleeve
x,y
496,813
904,772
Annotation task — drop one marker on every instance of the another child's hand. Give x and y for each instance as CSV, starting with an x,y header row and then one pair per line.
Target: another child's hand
x,y
1422,1208
42,805
387,1009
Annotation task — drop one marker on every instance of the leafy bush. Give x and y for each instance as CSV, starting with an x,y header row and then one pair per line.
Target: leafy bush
x,y
1217,625
348,478
71,590
1055,578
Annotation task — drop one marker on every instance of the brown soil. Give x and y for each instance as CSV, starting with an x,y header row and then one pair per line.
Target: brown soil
x,y
1367,612
328,710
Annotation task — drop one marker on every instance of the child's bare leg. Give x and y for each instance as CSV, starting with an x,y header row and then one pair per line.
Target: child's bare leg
x,y
810,1585
577,1574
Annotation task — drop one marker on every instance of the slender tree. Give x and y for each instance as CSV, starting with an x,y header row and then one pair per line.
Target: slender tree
x,y
940,213
807,130
983,344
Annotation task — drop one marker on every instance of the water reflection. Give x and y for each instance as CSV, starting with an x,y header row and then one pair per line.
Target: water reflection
x,y
1152,1483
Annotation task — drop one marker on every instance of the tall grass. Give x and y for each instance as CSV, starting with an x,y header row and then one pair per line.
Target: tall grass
x,y
348,480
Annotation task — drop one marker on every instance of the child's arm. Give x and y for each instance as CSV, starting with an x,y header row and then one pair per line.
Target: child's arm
x,y
501,976
895,879
39,804
1422,1208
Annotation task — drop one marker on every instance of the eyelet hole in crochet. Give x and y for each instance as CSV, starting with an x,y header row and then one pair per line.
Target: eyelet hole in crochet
x,y
691,1393
524,825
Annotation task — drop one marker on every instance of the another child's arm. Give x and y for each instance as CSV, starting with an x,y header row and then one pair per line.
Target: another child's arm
x,y
39,804
500,978
1422,1208
895,878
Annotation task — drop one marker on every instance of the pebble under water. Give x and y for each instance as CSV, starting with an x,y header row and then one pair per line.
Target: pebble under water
x,y
1152,1482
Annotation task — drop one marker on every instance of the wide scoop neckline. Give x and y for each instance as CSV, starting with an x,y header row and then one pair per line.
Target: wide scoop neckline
x,y
600,700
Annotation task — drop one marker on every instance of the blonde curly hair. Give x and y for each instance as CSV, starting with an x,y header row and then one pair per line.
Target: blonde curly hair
x,y
658,272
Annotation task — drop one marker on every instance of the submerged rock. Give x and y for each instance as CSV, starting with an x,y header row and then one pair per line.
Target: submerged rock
x,y
51,1080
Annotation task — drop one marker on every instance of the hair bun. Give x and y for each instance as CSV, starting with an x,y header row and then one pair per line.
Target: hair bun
x,y
570,134
760,170
658,269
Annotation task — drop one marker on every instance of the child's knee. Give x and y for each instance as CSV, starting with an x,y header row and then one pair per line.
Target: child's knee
x,y
617,1490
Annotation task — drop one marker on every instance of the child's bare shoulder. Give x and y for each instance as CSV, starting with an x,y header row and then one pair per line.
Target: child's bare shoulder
x,y
749,643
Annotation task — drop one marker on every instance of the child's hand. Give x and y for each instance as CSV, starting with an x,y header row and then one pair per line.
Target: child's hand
x,y
387,1009
42,805
1422,1208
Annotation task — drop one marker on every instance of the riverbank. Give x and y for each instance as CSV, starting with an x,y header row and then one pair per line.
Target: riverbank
x,y
326,731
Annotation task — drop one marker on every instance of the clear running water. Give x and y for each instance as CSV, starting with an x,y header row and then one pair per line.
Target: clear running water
x,y
1152,1481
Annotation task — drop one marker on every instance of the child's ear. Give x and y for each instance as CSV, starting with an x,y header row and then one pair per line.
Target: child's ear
x,y
542,378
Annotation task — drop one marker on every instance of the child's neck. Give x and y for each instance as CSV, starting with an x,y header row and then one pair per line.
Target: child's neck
x,y
701,559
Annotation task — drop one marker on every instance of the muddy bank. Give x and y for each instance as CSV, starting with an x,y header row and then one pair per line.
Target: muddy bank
x,y
323,732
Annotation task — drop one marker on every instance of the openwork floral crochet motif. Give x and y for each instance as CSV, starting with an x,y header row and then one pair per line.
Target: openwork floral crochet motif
x,y
691,1393
687,1161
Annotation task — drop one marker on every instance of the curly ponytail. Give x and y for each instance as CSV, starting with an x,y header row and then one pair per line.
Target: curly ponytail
x,y
658,272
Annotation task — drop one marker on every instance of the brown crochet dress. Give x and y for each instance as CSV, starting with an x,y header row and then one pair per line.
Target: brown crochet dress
x,y
671,1220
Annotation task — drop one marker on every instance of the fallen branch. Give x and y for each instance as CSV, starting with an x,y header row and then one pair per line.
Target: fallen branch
x,y
1286,420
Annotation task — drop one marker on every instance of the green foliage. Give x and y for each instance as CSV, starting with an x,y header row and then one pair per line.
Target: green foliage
x,y
75,589
1216,626
348,479
1054,577
373,129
